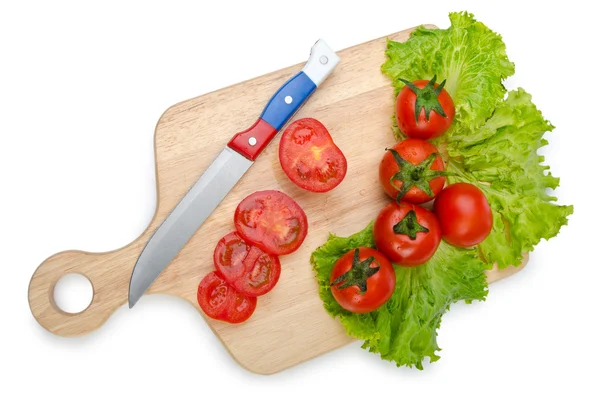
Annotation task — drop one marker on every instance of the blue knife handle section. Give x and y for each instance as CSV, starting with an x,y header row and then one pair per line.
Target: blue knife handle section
x,y
287,100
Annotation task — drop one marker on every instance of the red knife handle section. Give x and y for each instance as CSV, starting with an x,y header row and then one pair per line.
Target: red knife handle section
x,y
251,142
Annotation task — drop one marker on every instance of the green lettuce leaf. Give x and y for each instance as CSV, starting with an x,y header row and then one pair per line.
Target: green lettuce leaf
x,y
404,330
501,158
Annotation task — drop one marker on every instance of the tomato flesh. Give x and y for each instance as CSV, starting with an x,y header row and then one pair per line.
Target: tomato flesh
x,y
423,128
464,213
379,286
240,309
246,267
310,158
272,221
414,151
400,248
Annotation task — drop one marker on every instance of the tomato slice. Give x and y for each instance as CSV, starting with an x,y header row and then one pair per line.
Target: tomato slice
x,y
240,309
310,158
246,267
214,296
272,221
220,301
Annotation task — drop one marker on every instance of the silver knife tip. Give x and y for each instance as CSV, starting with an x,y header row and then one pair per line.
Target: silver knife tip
x,y
132,301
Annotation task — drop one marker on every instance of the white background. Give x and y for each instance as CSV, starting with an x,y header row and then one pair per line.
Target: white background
x,y
81,89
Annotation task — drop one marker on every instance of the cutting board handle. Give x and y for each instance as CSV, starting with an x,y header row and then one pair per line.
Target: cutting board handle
x,y
109,275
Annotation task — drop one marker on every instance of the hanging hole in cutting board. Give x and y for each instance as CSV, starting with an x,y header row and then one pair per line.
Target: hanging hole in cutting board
x,y
73,293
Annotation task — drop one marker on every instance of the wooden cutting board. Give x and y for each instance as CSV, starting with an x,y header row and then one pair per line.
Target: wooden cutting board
x,y
290,324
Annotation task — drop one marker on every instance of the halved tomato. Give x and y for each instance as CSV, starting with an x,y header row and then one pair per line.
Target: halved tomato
x,y
310,158
272,221
246,267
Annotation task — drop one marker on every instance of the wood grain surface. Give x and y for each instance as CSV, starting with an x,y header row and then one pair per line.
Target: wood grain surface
x,y
290,324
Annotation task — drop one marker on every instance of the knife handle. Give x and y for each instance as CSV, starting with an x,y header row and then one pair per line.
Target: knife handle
x,y
286,102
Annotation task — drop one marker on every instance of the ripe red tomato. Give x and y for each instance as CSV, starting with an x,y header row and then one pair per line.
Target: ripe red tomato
x,y
406,233
246,267
424,109
310,158
272,221
362,280
412,171
464,214
220,301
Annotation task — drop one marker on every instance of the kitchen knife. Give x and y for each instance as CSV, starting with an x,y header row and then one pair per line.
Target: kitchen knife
x,y
226,170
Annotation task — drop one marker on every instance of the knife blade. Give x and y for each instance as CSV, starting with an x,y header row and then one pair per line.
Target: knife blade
x,y
226,170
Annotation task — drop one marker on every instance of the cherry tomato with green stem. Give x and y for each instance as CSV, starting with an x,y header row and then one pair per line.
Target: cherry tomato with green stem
x,y
424,109
407,234
362,280
413,171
